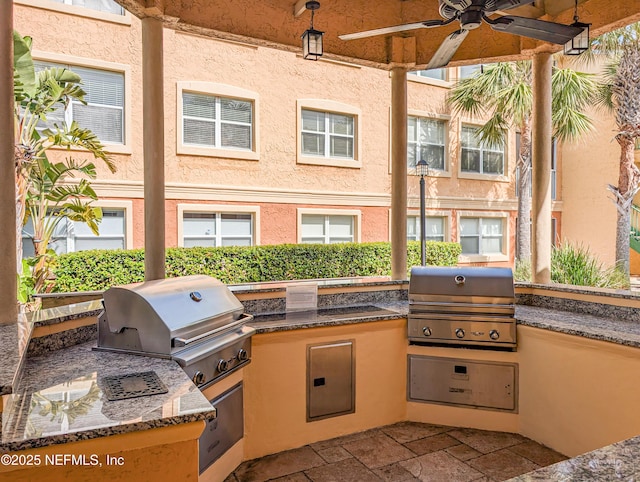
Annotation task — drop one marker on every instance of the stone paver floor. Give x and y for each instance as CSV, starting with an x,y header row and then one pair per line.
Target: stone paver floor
x,y
405,451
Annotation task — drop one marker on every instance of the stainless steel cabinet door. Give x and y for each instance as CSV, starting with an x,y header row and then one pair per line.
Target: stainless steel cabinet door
x,y
330,380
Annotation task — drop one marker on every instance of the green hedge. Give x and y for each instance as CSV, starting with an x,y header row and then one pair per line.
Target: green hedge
x,y
100,269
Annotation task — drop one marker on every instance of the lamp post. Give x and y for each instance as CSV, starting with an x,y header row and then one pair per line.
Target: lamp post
x,y
422,168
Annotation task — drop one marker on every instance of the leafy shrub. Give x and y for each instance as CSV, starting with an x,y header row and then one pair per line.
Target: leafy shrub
x,y
100,269
575,265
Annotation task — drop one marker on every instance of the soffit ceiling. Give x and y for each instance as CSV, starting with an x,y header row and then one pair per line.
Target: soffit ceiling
x,y
274,23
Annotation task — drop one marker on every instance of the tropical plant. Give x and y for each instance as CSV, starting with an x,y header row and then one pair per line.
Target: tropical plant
x,y
42,192
619,92
502,93
576,265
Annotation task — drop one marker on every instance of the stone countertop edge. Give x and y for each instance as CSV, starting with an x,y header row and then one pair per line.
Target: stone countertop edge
x,y
618,461
80,368
281,286
14,340
582,290
60,314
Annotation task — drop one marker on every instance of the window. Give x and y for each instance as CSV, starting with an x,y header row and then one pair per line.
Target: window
x,y
327,134
438,74
426,140
108,6
467,71
327,229
479,158
219,122
435,228
481,235
104,112
70,236
217,229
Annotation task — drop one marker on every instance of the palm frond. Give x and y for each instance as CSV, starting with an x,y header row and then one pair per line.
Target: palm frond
x,y
572,92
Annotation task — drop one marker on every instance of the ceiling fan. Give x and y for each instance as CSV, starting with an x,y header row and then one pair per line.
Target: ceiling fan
x,y
470,14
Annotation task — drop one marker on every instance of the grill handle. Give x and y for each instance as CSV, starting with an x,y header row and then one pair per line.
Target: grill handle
x,y
180,342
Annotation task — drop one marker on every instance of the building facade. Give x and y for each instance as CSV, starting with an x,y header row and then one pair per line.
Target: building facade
x,y
263,147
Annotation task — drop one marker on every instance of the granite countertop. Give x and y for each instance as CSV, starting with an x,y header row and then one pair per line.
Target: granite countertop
x,y
618,461
60,398
602,328
274,286
322,317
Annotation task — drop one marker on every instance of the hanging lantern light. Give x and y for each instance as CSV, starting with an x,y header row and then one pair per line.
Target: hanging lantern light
x,y
311,38
579,43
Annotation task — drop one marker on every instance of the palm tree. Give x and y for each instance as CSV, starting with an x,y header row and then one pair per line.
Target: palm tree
x,y
619,92
41,192
503,93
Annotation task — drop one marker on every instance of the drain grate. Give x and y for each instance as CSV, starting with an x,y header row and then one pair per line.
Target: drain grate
x,y
132,385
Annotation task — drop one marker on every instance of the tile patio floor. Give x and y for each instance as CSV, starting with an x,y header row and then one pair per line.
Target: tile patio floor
x,y
406,451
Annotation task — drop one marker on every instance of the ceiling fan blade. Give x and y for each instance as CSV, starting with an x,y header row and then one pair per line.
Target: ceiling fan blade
x,y
447,49
555,33
395,29
507,4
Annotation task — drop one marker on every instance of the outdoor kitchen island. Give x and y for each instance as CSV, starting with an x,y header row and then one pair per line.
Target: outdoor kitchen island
x,y
578,386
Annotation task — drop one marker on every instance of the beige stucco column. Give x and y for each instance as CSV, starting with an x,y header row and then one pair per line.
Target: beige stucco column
x,y
153,135
399,173
541,165
8,258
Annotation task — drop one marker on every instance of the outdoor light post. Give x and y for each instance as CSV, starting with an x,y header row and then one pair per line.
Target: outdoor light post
x,y
422,168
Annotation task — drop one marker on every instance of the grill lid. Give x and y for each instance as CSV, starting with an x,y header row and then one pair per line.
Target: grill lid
x,y
170,312
461,285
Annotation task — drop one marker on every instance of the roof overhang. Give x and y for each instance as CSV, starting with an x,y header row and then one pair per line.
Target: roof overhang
x,y
280,24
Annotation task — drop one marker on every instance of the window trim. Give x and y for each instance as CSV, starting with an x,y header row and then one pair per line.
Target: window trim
x,y
485,258
77,11
430,214
445,172
355,213
480,176
331,107
218,90
219,209
124,69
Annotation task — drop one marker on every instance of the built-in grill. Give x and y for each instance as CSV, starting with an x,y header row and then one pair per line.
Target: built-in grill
x,y
462,306
194,320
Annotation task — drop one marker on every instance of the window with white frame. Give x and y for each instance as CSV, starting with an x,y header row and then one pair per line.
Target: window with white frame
x,y
327,229
434,229
218,122
438,74
217,229
426,139
479,158
328,134
108,6
103,113
481,235
70,236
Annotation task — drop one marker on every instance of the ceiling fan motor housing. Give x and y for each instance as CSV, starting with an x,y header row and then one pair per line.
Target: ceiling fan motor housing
x,y
471,18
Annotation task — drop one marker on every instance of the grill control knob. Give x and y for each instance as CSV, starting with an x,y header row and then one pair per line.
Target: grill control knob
x,y
426,331
223,365
494,334
460,333
242,355
199,378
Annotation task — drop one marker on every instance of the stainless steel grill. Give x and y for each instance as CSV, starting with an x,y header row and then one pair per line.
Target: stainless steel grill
x,y
462,306
194,320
